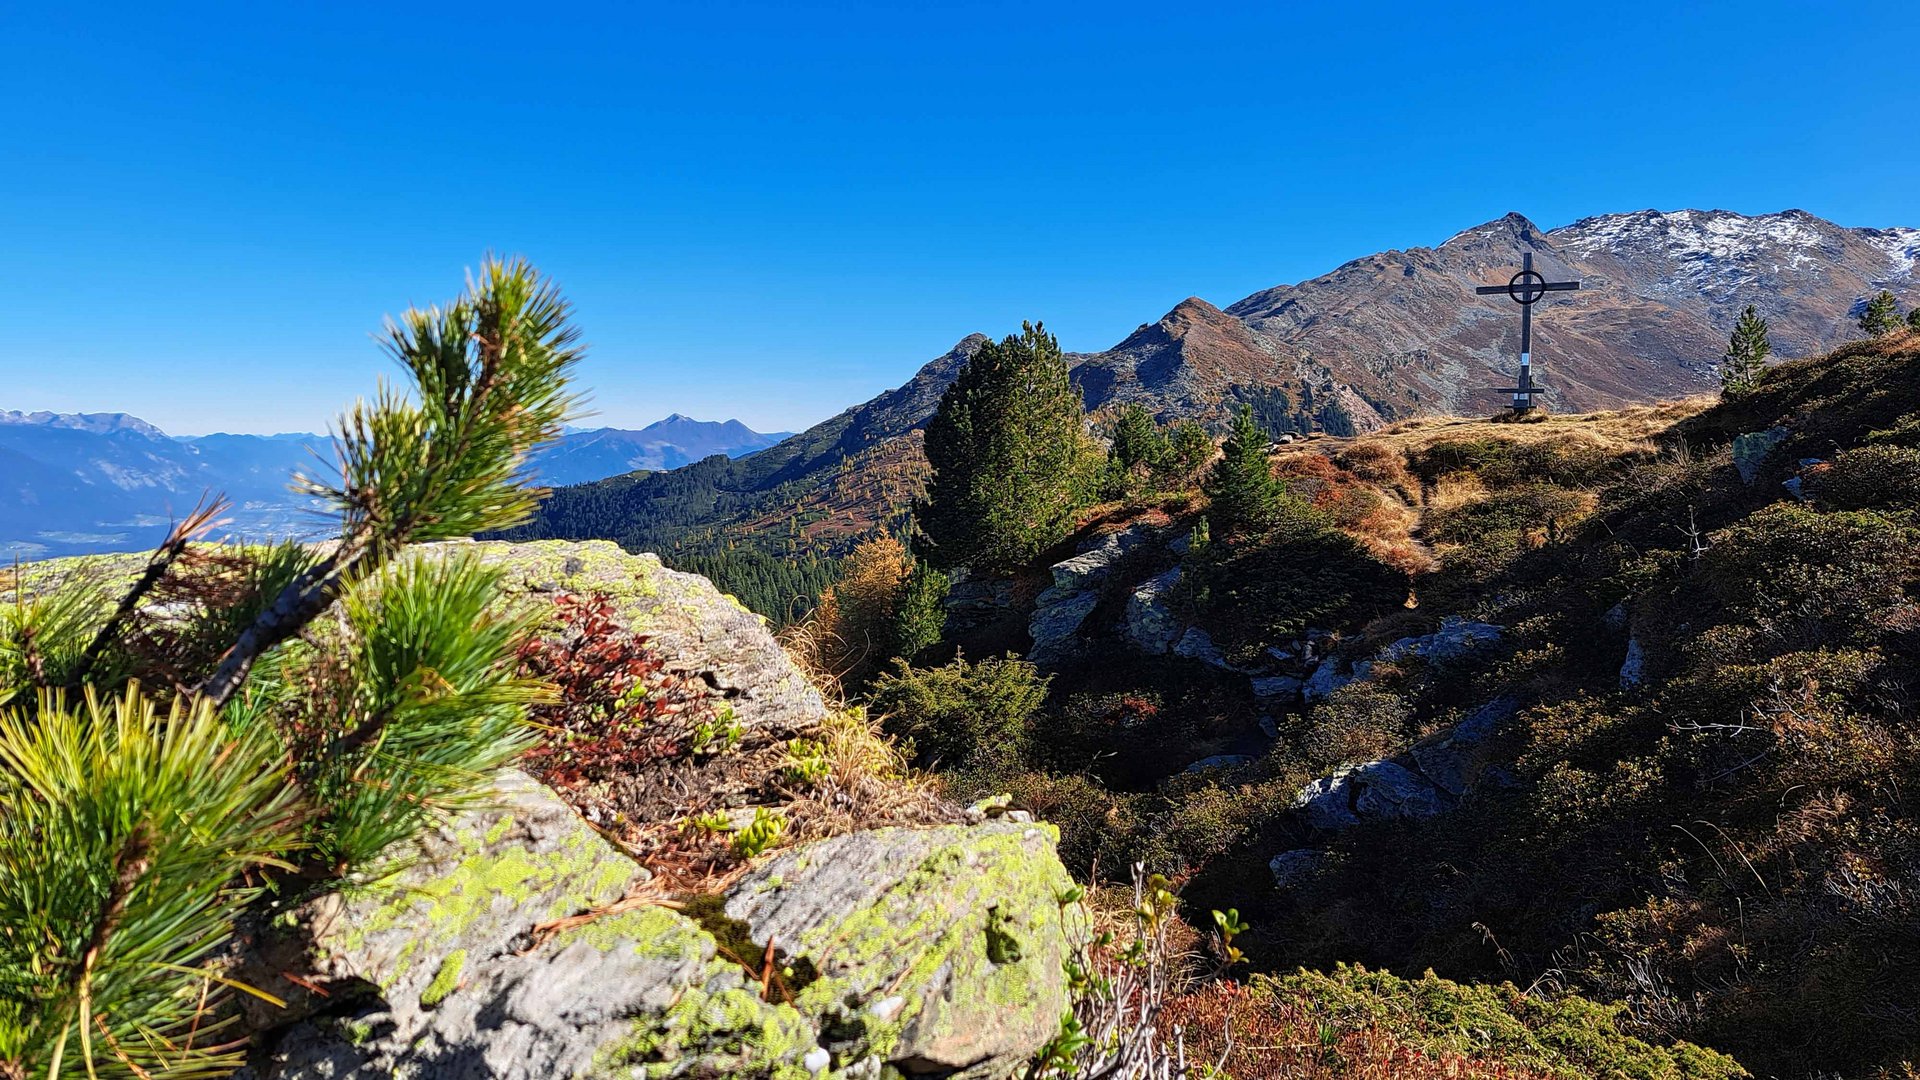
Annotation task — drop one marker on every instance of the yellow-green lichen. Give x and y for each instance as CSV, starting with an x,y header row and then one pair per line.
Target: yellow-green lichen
x,y
446,980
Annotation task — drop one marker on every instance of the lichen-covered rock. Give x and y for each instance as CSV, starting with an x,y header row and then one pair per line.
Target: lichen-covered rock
x,y
705,634
461,894
939,950
1751,450
1152,624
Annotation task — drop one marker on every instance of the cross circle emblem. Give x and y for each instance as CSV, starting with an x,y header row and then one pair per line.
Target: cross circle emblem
x,y
1526,287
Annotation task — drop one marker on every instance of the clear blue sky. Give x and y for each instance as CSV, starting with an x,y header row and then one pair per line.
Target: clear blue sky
x,y
772,211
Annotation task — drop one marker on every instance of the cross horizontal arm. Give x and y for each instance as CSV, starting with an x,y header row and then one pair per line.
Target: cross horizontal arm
x,y
1550,286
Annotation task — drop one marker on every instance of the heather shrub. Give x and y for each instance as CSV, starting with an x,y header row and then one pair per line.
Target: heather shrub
x,y
1880,477
1805,578
962,715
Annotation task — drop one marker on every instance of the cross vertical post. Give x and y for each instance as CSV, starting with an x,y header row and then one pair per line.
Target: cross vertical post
x,y
1526,288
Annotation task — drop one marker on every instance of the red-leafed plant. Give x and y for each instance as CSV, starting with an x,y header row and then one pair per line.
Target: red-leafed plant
x,y
616,707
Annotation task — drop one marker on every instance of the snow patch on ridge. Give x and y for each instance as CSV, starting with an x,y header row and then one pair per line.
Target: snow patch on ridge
x,y
1901,245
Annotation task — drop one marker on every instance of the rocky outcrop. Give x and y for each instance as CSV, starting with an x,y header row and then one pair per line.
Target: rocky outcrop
x,y
707,635
515,942
1060,613
930,951
1430,778
1456,638
1751,450
1152,624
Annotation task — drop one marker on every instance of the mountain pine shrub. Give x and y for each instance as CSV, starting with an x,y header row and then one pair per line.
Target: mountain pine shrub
x,y
270,747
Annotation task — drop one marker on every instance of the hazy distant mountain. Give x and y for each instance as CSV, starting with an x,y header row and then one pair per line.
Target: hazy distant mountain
x,y
580,456
91,482
1391,335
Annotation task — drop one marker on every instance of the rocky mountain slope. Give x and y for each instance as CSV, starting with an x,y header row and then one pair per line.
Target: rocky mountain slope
x,y
1389,336
96,482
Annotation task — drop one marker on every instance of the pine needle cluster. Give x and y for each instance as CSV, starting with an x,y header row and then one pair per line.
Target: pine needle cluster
x,y
168,754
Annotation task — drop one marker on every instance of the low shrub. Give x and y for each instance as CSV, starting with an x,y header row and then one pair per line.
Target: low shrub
x,y
962,715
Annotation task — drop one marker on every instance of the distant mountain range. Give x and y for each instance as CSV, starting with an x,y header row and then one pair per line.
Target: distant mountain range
x,y
1391,335
91,482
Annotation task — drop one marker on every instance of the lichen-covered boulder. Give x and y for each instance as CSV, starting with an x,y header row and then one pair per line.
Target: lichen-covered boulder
x,y
938,950
458,896
705,634
1152,624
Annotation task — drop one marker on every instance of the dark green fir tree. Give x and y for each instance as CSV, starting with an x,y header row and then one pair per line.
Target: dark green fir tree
x,y
1882,315
1746,355
1008,452
1244,493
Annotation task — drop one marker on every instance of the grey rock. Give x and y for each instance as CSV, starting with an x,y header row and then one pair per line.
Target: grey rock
x,y
1796,487
1633,669
1152,625
1290,868
1277,688
1751,450
974,908
709,636
1331,675
1327,802
1390,791
1218,761
1055,626
1096,561
1454,761
1197,644
1455,638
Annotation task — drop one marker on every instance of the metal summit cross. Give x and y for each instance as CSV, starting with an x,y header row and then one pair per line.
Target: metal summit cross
x,y
1526,288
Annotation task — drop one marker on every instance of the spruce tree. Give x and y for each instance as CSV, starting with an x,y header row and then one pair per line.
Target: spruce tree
x,y
1882,315
1136,441
1008,456
1746,355
1244,493
1913,319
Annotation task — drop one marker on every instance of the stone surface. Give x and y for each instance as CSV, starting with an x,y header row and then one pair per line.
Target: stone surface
x,y
1152,624
1455,638
1277,689
1751,450
939,950
1218,761
1330,675
707,635
1290,868
1055,627
1454,761
1633,669
1096,561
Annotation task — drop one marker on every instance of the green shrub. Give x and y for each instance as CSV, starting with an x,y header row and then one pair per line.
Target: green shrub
x,y
1361,721
962,715
1805,578
1562,1035
1881,477
272,746
1269,588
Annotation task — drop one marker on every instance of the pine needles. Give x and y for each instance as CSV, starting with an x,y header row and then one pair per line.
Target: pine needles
x,y
270,749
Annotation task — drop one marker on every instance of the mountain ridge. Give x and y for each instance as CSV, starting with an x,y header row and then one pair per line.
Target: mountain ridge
x,y
1383,337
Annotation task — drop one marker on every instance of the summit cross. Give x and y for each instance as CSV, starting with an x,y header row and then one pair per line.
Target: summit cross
x,y
1526,288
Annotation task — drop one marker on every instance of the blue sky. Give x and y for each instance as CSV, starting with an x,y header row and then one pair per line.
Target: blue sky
x,y
772,211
